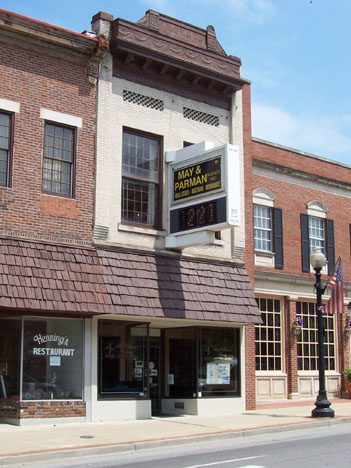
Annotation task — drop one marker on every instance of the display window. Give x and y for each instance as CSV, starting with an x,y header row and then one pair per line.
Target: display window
x,y
202,362
52,359
219,362
122,359
51,353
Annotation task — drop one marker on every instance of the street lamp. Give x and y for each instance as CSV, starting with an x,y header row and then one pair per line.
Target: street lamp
x,y
322,409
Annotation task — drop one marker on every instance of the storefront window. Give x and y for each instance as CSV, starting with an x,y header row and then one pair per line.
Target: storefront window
x,y
307,341
52,359
219,362
122,359
10,348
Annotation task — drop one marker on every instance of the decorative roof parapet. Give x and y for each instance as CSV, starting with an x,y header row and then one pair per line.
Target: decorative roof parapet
x,y
164,38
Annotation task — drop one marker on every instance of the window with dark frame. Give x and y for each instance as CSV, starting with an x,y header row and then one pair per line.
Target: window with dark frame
x,y
317,232
268,232
58,162
141,178
263,228
5,147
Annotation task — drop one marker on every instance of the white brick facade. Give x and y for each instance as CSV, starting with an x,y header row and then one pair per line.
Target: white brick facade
x,y
113,114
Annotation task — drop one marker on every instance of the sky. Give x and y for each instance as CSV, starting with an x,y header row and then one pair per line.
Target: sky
x,y
296,53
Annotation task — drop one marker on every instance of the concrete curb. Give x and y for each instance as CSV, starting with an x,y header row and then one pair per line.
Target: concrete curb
x,y
111,449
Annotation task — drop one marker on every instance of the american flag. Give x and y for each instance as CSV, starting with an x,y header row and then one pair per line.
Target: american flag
x,y
335,304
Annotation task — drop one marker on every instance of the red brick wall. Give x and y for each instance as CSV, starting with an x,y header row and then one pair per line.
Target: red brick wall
x,y
293,199
36,79
41,409
52,409
250,367
9,409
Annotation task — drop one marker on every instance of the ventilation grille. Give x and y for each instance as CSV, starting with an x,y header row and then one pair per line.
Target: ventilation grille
x,y
142,100
239,252
179,405
208,119
101,232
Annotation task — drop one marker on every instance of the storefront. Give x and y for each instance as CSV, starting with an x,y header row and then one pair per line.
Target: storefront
x,y
148,334
175,343
41,368
166,370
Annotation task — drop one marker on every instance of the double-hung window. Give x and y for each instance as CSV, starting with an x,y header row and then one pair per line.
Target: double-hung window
x,y
141,179
317,231
5,147
58,163
263,228
268,230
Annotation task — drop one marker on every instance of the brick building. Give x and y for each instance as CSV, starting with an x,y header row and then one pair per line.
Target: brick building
x,y
50,279
177,336
166,85
295,201
110,306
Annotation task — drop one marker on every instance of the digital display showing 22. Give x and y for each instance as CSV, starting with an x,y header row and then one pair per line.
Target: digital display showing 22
x,y
199,215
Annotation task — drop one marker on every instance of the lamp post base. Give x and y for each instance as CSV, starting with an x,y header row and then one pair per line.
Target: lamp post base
x,y
322,409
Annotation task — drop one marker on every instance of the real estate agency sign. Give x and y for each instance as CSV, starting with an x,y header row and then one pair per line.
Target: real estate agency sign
x,y
204,188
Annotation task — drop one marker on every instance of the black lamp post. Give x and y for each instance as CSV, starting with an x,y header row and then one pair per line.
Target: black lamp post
x,y
322,409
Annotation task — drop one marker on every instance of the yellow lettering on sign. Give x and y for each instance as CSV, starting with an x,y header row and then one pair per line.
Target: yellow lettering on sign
x,y
185,173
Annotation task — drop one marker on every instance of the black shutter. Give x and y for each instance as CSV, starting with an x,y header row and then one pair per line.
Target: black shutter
x,y
278,238
330,245
305,248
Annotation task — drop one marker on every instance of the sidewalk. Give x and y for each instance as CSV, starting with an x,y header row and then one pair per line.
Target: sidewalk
x,y
53,442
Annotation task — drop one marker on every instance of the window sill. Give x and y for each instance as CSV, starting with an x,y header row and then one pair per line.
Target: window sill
x,y
263,258
140,230
270,374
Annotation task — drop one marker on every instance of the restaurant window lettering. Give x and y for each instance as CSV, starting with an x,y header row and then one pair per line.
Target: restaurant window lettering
x,y
52,359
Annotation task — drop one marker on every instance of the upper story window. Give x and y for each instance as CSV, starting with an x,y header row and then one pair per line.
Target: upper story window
x,y
317,231
268,230
5,147
263,228
58,163
141,178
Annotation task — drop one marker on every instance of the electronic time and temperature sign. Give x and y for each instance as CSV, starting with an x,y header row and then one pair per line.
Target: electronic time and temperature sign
x,y
205,189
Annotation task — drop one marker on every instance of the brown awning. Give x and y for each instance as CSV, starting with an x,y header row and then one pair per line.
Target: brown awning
x,y
39,277
177,287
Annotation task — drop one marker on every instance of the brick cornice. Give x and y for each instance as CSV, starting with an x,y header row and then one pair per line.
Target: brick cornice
x,y
12,23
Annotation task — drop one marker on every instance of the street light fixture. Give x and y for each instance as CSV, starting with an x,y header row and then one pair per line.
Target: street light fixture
x,y
322,409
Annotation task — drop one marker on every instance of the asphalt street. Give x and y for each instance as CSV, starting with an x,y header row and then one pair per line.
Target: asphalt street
x,y
303,448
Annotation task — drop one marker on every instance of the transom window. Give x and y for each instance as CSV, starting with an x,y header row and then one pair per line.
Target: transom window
x,y
307,341
5,147
268,336
316,233
58,159
140,178
263,228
